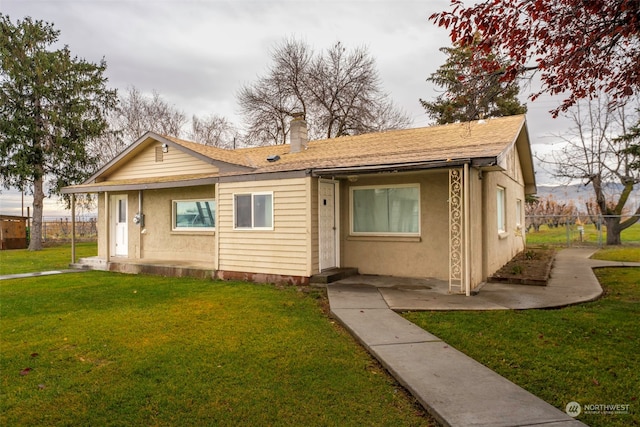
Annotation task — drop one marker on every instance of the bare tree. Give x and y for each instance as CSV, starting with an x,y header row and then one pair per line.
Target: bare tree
x,y
136,114
337,90
268,103
547,211
594,153
213,130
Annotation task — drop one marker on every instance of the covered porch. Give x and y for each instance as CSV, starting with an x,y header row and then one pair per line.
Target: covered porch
x,y
436,235
135,231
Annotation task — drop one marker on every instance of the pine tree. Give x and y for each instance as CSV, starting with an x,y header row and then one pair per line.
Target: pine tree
x,y
51,105
470,92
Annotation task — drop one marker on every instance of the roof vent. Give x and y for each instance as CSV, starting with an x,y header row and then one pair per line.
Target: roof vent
x,y
273,158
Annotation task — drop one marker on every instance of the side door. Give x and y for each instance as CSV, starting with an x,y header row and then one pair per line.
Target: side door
x,y
120,232
327,225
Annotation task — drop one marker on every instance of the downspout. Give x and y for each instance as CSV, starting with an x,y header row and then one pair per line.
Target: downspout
x,y
141,224
467,216
216,237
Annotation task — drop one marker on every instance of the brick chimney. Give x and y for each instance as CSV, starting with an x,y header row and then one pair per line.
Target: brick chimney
x,y
298,133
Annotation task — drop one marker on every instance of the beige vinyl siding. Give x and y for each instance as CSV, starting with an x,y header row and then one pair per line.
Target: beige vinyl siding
x,y
174,162
314,242
283,250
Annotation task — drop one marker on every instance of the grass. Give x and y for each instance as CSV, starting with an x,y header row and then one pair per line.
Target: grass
x,y
558,236
101,348
50,258
589,353
628,254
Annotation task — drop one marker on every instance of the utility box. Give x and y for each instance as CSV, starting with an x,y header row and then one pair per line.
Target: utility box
x,y
13,232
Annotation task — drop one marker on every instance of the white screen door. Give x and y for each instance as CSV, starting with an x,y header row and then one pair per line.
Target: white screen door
x,y
327,225
120,241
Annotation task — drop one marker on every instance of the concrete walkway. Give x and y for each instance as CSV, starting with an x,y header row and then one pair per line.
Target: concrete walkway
x,y
40,273
572,281
454,388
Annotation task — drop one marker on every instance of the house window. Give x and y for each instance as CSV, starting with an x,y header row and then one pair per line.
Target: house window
x,y
253,211
518,212
122,210
386,210
501,211
194,215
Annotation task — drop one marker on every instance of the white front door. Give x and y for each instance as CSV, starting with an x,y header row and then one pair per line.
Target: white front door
x,y
327,225
120,240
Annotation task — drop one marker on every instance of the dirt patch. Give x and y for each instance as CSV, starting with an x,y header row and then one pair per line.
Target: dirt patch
x,y
530,267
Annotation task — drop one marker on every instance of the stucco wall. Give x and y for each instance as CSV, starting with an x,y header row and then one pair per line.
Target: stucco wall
x,y
159,241
477,209
424,256
501,247
101,227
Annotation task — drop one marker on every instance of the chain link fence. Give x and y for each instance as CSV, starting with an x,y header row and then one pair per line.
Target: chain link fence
x,y
59,229
576,230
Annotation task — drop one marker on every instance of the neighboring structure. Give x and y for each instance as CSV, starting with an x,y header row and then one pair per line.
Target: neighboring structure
x,y
445,202
13,232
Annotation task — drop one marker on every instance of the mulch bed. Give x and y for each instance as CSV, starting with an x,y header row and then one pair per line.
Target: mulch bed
x,y
530,267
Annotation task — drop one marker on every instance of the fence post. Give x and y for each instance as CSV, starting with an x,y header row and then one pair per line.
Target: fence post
x,y
566,224
599,231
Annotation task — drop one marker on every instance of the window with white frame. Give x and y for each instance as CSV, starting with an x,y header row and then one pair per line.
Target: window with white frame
x,y
518,212
194,215
253,211
385,210
501,211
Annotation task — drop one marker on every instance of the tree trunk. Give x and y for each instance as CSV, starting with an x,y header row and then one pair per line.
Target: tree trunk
x,y
35,243
613,230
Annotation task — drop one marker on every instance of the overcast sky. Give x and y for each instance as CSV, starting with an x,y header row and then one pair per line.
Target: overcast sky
x,y
197,53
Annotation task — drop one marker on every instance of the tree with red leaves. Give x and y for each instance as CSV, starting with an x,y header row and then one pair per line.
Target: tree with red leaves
x,y
579,47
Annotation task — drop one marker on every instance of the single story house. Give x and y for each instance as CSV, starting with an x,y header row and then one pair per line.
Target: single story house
x,y
442,202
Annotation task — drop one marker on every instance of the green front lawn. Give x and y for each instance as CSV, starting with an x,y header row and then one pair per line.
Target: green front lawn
x,y
625,253
588,353
558,236
100,349
51,258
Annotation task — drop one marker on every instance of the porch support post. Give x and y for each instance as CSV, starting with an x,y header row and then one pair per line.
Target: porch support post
x,y
456,231
466,224
73,228
107,232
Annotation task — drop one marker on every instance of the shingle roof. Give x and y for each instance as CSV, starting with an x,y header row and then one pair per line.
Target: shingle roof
x,y
477,139
396,149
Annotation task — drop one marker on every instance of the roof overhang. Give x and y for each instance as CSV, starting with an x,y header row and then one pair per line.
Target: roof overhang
x,y
143,184
523,145
484,162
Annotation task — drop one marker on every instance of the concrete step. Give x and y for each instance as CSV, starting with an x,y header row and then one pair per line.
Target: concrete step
x,y
161,270
90,263
333,275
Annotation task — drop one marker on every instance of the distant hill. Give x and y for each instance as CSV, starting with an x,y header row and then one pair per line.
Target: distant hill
x,y
579,193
